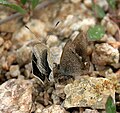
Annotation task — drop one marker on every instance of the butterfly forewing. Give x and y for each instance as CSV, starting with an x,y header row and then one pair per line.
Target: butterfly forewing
x,y
74,56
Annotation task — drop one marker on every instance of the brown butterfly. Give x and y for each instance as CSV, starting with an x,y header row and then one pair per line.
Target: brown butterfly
x,y
74,60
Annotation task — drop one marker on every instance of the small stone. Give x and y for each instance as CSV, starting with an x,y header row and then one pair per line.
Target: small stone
x,y
103,4
111,28
14,70
5,66
60,90
10,26
90,111
52,41
1,51
54,109
84,24
110,25
89,92
114,77
88,3
7,45
75,1
46,98
24,35
11,58
23,55
105,54
21,77
39,108
1,41
16,96
55,98
28,70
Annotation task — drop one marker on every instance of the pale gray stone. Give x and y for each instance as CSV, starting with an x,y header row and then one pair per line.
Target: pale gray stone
x,y
88,92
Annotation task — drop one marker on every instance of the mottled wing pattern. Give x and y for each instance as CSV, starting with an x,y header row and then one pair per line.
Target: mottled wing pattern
x,y
40,66
74,57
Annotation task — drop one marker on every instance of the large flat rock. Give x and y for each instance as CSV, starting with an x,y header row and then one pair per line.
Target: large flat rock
x,y
88,92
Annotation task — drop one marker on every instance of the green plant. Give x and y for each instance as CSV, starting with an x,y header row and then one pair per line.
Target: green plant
x,y
112,3
20,6
96,32
99,12
110,105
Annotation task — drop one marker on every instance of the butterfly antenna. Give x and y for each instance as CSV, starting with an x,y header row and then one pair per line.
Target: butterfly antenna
x,y
57,23
32,32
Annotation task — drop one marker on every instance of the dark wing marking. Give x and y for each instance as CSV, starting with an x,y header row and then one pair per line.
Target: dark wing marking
x,y
40,66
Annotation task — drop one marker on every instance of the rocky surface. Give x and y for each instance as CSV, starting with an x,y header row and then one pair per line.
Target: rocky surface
x,y
16,96
23,92
88,92
105,54
54,109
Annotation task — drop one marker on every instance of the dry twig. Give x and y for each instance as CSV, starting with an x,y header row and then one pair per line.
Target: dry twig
x,y
16,15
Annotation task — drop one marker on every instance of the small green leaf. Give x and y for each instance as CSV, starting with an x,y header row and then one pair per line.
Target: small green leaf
x,y
110,105
96,32
98,11
112,3
34,3
13,6
23,1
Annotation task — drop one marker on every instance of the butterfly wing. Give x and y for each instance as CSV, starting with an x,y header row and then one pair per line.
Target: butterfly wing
x,y
40,66
74,56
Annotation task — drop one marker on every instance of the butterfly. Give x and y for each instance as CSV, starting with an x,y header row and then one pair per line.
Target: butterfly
x,y
74,60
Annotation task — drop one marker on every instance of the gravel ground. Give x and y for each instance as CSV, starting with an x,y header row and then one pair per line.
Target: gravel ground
x,y
58,69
